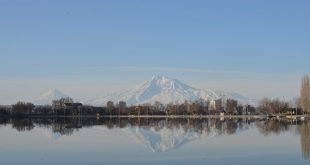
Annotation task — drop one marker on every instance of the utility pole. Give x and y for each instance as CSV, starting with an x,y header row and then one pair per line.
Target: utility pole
x,y
119,110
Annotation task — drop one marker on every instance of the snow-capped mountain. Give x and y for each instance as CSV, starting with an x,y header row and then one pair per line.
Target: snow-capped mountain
x,y
47,97
165,90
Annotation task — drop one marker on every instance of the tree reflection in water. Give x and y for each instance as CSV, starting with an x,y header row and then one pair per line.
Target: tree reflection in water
x,y
305,139
200,127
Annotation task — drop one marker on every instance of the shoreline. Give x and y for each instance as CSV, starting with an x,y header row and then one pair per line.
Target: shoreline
x,y
166,116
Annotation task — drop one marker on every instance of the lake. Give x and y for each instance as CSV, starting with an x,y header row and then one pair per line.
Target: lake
x,y
52,141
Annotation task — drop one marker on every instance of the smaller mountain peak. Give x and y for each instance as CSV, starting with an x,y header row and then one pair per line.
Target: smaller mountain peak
x,y
159,77
49,96
55,90
53,93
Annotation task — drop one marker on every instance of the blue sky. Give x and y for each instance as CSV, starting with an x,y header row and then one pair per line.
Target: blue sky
x,y
86,48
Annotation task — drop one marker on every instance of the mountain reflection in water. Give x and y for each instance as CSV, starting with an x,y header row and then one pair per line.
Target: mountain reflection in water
x,y
161,135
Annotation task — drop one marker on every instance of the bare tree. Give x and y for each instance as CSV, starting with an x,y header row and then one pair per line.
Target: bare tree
x,y
305,94
22,108
60,103
273,106
305,139
158,106
231,105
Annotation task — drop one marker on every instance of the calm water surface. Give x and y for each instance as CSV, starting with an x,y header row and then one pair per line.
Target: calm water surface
x,y
153,141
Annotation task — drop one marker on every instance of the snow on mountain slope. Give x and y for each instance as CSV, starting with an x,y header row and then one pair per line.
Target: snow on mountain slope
x,y
47,97
164,90
165,137
159,140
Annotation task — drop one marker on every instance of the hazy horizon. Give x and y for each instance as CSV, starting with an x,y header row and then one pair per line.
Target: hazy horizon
x,y
88,94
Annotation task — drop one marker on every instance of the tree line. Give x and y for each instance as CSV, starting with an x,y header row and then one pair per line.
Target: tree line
x,y
67,107
299,106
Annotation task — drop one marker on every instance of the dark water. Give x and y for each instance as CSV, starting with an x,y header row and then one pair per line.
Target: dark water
x,y
153,141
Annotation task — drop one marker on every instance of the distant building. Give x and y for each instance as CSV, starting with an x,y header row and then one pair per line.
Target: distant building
x,y
73,108
110,105
122,106
61,103
212,105
42,109
215,107
73,105
218,105
57,104
136,111
248,110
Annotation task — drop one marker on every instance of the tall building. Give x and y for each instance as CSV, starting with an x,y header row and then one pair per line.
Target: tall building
x,y
121,107
110,105
212,105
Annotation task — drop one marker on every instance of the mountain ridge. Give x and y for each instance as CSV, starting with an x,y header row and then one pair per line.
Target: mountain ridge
x,y
47,97
158,89
165,90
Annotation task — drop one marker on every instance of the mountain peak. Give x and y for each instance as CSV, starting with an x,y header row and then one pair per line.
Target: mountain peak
x,y
53,91
49,96
159,77
162,81
164,90
159,89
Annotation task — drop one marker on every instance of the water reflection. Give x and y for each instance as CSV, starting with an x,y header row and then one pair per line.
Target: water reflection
x,y
305,139
161,135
